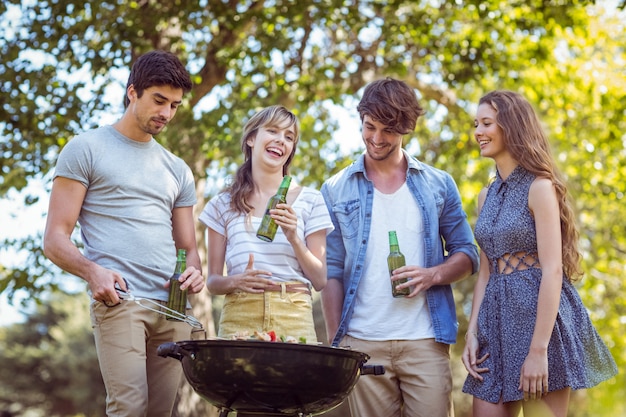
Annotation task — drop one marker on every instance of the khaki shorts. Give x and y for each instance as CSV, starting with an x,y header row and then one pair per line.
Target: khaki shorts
x,y
286,313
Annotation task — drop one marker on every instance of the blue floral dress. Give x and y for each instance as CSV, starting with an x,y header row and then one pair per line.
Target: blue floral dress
x,y
577,356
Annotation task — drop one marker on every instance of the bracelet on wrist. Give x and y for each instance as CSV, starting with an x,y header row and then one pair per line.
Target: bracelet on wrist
x,y
471,333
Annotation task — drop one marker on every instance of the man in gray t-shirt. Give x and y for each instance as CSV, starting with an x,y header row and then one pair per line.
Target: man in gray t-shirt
x,y
134,201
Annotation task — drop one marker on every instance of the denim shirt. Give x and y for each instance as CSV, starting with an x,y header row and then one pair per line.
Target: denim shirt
x,y
349,196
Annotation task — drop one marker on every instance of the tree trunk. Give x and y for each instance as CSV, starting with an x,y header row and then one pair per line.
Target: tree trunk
x,y
188,403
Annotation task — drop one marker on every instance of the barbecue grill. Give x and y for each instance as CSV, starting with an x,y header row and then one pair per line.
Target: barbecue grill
x,y
269,378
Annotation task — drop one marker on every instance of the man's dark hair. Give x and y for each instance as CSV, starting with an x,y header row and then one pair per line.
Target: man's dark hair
x,y
392,103
158,68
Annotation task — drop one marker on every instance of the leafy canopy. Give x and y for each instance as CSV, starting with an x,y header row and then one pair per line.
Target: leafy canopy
x,y
64,66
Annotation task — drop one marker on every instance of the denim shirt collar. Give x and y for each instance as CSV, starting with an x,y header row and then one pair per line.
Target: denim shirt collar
x,y
359,165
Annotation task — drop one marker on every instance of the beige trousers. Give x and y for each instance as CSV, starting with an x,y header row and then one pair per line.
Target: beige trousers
x,y
139,383
417,380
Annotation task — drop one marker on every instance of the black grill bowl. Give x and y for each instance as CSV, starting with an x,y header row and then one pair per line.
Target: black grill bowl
x,y
268,377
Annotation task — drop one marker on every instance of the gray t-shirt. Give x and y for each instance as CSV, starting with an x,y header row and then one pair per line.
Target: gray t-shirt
x,y
126,217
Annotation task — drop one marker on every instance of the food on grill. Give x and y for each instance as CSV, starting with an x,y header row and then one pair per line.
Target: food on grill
x,y
267,337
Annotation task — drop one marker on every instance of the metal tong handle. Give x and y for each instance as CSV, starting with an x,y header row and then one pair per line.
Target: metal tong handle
x,y
157,307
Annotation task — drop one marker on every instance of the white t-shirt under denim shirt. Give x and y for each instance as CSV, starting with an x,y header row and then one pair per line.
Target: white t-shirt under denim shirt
x,y
393,318
277,256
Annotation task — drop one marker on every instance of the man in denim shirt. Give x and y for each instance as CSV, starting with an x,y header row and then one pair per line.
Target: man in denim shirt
x,y
384,190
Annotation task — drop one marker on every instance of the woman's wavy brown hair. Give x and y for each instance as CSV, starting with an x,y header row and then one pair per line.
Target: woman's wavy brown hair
x,y
527,142
242,186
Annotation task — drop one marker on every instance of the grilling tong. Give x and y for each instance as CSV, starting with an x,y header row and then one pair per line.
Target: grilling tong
x,y
155,306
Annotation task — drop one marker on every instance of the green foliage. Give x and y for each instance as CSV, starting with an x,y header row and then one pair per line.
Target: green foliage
x,y
60,58
48,365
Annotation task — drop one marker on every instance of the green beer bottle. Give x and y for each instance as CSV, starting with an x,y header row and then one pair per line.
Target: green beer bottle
x,y
268,227
178,298
395,260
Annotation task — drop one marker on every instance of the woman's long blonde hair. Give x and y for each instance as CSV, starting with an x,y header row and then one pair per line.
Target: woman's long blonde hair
x,y
525,139
242,186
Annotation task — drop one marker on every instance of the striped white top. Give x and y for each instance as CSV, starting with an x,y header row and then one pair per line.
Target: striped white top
x,y
278,256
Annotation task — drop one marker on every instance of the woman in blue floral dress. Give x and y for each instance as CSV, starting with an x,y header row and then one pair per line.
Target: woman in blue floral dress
x,y
529,335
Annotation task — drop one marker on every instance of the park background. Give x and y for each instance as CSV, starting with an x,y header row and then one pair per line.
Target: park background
x,y
63,70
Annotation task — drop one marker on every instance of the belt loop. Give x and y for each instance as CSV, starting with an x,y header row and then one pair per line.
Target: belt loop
x,y
283,290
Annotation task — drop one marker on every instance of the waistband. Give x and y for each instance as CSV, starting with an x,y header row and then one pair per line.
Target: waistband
x,y
287,287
